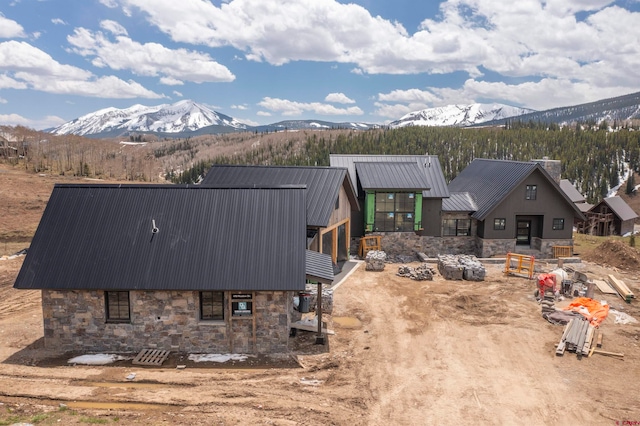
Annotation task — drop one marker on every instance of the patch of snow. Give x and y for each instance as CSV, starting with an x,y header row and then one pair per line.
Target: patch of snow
x,y
96,359
217,357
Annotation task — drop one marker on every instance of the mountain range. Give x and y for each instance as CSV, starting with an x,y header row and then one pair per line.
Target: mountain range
x,y
188,118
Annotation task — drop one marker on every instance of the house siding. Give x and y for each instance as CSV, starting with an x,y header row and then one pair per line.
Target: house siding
x,y
165,320
549,204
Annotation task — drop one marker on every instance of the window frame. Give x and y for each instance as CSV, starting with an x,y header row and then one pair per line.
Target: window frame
x,y
402,216
115,309
499,223
457,228
557,224
212,316
531,192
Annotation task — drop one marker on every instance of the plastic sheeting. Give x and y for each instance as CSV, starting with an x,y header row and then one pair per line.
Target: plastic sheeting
x,y
594,311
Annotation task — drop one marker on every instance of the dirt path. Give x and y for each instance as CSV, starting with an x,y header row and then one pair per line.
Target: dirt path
x,y
404,353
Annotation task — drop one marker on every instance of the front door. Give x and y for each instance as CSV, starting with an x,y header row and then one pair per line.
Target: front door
x,y
523,232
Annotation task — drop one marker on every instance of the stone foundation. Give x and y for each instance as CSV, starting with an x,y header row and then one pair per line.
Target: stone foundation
x,y
166,320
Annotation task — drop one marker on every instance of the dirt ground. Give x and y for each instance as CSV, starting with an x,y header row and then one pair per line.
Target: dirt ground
x,y
404,353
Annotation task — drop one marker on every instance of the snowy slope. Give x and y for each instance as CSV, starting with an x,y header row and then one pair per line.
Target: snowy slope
x,y
183,116
458,115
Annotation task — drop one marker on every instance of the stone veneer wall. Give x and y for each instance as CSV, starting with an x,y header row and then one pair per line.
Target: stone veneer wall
x,y
546,246
407,243
488,247
166,320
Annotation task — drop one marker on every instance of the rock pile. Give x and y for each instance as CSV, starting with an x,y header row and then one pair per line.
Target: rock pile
x,y
548,303
459,267
422,273
327,298
375,260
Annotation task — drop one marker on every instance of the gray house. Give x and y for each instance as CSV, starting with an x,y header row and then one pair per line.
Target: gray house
x,y
171,267
514,206
331,199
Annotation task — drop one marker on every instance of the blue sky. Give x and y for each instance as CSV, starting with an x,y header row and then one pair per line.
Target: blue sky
x,y
263,61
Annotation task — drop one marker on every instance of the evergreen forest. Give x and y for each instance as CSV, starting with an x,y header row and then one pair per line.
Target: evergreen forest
x,y
594,160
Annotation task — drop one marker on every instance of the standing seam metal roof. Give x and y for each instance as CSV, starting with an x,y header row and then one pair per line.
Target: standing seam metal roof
x,y
459,202
620,208
429,165
100,237
323,184
490,181
319,267
391,176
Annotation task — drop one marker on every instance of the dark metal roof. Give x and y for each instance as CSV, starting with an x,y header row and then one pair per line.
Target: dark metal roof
x,y
571,191
428,164
459,202
100,237
620,208
490,181
391,176
319,267
323,184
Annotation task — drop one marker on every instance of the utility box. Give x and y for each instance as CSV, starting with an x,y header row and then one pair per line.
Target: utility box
x,y
304,303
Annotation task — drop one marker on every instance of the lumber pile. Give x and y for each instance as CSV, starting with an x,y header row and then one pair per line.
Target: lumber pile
x,y
621,288
459,267
423,272
581,337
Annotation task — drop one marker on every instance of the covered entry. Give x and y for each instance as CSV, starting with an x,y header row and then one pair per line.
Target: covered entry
x,y
528,227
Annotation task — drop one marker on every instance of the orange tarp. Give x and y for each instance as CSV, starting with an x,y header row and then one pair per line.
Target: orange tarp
x,y
593,310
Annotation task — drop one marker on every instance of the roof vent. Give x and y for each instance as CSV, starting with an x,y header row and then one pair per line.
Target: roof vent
x,y
154,228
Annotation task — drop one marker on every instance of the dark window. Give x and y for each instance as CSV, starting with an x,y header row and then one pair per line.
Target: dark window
x,y
117,306
394,211
499,224
456,227
211,305
531,192
558,224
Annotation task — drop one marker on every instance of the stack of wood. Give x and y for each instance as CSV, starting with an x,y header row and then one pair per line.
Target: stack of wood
x,y
423,272
621,288
577,337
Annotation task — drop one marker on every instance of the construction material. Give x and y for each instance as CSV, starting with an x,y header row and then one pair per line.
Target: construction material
x,y
375,260
519,264
310,327
613,354
461,267
423,272
577,337
562,251
150,357
604,287
368,243
621,288
599,340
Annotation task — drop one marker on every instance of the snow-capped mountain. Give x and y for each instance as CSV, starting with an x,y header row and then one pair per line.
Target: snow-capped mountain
x,y
458,115
183,116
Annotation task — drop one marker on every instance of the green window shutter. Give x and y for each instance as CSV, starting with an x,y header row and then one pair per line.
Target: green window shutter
x,y
370,210
417,221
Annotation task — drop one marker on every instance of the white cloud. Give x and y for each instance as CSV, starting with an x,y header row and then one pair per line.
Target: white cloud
x,y
591,43
58,21
149,59
286,107
43,123
339,98
263,114
170,81
3,101
113,27
112,4
10,28
176,93
240,107
24,66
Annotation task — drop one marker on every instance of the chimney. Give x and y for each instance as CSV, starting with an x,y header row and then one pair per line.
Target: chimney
x,y
553,167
